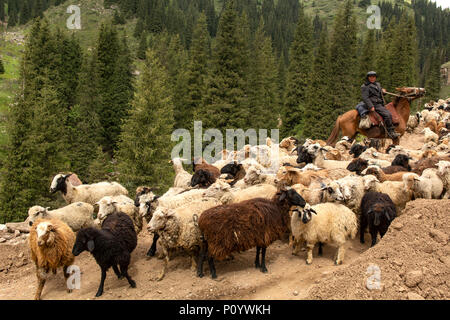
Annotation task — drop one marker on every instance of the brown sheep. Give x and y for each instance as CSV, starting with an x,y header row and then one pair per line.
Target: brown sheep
x,y
51,242
419,166
241,226
201,164
382,177
432,125
290,176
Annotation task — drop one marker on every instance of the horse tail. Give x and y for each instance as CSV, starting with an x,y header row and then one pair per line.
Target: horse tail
x,y
335,133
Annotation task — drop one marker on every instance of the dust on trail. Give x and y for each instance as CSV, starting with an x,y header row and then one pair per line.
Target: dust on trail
x,y
410,248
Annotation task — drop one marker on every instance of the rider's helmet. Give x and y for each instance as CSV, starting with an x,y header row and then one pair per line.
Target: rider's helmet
x,y
371,73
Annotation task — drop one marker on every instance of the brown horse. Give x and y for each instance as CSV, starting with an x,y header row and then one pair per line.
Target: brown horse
x,y
349,122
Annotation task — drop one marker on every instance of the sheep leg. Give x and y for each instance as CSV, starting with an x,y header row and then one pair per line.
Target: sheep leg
x,y
201,259
212,268
373,234
309,257
102,283
124,270
151,252
362,228
40,273
320,249
340,255
257,264
117,272
263,260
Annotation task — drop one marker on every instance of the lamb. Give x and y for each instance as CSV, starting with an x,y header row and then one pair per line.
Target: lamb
x,y
89,193
76,215
50,242
394,189
182,177
290,176
444,174
377,212
324,223
430,135
427,186
357,149
177,228
109,205
111,246
242,226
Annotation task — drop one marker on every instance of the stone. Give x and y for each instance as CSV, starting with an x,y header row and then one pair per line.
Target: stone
x,y
295,293
16,233
397,225
20,255
415,296
2,240
439,236
413,278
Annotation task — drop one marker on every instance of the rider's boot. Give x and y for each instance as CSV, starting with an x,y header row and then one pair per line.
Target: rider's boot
x,y
392,134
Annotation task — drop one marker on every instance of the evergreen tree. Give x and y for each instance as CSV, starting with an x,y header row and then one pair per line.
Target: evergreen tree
x,y
144,147
2,68
433,81
263,90
344,64
225,104
368,55
139,29
297,77
142,46
197,71
319,114
2,10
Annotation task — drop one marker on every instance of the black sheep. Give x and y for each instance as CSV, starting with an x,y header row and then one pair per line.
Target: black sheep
x,y
357,149
377,212
402,160
304,156
358,165
202,178
235,171
111,246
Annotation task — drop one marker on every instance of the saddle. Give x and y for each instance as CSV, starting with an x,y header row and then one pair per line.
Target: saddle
x,y
376,119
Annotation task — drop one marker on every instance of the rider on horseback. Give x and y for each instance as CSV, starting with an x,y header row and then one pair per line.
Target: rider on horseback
x,y
372,95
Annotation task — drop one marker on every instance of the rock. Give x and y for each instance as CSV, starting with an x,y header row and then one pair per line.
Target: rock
x,y
21,226
397,225
401,289
439,236
417,216
2,240
20,255
16,233
414,296
295,293
413,278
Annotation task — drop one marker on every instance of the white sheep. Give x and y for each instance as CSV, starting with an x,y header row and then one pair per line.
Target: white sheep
x,y
348,190
427,186
77,215
311,195
89,193
316,151
430,136
394,189
444,174
115,204
377,158
324,223
177,228
182,177
256,176
223,192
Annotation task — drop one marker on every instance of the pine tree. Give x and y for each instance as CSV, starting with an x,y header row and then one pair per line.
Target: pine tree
x,y
2,68
368,55
344,63
2,10
263,90
297,77
433,79
142,46
319,114
144,147
197,70
139,29
225,104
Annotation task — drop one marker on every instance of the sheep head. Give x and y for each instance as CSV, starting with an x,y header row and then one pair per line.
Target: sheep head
x,y
217,190
381,211
159,219
306,213
85,241
370,182
333,189
59,183
106,206
443,168
291,197
358,165
35,213
253,176
141,191
45,234
202,178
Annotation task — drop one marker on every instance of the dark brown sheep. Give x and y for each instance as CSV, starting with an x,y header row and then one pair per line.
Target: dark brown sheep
x,y
241,226
422,164
203,165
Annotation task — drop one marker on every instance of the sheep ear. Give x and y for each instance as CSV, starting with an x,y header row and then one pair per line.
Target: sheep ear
x,y
313,211
283,195
91,245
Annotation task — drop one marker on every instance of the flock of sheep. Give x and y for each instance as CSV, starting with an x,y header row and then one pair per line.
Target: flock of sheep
x,y
320,195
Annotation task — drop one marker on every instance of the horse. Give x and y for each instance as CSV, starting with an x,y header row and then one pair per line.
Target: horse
x,y
349,122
